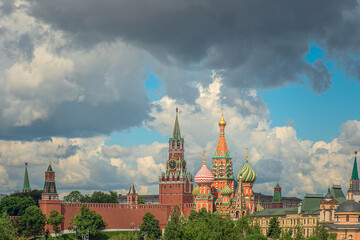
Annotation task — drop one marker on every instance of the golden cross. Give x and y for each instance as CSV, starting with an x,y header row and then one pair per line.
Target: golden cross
x,y
247,149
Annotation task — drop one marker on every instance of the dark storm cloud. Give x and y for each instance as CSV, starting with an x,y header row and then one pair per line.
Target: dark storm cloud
x,y
81,119
259,43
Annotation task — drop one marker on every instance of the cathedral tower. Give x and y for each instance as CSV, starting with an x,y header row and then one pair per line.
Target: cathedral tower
x,y
176,184
203,197
132,196
248,178
221,168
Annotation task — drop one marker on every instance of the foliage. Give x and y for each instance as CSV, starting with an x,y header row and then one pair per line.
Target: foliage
x,y
174,228
35,194
274,229
321,232
74,197
7,227
256,237
15,206
149,227
55,219
286,235
312,238
204,225
298,233
96,197
243,228
87,221
32,223
140,201
332,236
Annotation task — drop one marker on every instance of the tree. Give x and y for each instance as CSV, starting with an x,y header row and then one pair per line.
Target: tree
x,y
32,223
243,227
35,194
74,196
7,227
321,231
274,229
55,219
87,221
15,206
298,233
256,237
286,235
140,201
149,227
173,228
101,197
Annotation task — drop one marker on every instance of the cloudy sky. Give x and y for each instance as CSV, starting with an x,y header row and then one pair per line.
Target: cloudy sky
x,y
93,86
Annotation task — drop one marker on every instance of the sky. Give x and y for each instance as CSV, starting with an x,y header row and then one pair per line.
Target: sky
x,y
92,87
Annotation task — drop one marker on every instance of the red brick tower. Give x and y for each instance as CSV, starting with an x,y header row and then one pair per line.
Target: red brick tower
x,y
222,168
176,184
132,196
50,198
277,199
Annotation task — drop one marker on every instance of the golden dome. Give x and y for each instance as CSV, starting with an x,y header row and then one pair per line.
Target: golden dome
x,y
222,122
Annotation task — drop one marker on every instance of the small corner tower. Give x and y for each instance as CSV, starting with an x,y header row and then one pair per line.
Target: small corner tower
x,y
328,207
277,199
49,191
26,186
176,184
132,196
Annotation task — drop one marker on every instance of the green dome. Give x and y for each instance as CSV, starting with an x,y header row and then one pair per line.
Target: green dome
x,y
226,190
195,191
248,175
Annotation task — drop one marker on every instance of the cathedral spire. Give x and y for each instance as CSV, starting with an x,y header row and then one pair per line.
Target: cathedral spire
x,y
176,131
132,188
26,186
222,149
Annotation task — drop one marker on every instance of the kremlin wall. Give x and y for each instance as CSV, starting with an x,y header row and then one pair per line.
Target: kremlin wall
x,y
219,192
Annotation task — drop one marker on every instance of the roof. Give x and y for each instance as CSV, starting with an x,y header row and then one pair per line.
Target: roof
x,y
270,197
329,195
132,188
204,175
144,197
354,174
338,194
342,226
274,212
248,175
26,186
49,169
311,203
226,190
349,206
176,131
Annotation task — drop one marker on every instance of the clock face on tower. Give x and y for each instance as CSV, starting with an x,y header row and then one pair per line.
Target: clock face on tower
x,y
183,165
172,164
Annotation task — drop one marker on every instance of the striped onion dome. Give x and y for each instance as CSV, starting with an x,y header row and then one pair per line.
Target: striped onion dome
x,y
248,175
204,175
195,191
226,190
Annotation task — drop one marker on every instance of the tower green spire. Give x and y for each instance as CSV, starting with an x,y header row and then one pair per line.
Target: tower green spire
x,y
26,187
354,174
176,131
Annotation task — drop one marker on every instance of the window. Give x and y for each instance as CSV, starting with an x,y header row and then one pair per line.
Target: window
x,y
347,218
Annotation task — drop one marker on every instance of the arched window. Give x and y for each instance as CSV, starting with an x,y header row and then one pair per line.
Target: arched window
x,y
350,237
347,218
331,213
337,218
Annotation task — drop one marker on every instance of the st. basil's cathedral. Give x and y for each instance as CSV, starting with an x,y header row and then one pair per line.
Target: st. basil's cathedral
x,y
216,190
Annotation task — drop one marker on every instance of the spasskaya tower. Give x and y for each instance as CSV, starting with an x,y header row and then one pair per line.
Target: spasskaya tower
x,y
176,184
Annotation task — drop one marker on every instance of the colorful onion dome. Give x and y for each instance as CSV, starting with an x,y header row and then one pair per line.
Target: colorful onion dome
x,y
248,175
204,175
195,191
222,122
226,190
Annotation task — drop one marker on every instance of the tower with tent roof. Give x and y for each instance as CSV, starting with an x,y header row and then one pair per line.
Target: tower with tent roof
x,y
26,186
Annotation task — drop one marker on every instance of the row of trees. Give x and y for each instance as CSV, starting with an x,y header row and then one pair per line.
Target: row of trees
x,y
96,197
204,225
